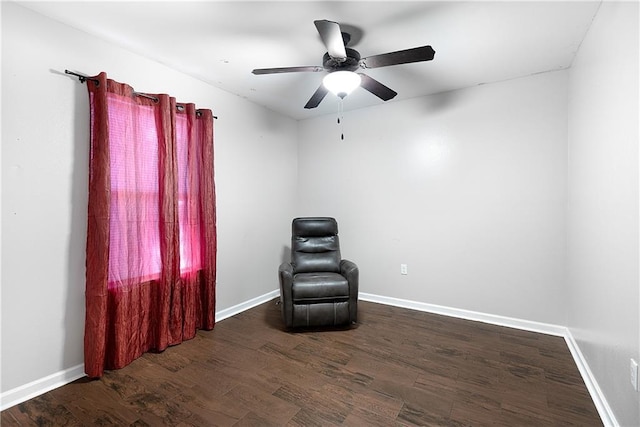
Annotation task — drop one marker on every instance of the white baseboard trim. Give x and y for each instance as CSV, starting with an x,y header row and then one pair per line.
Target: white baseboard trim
x,y
239,308
600,402
604,410
42,385
527,325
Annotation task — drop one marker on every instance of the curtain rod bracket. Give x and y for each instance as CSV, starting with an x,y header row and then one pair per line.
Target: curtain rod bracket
x,y
82,78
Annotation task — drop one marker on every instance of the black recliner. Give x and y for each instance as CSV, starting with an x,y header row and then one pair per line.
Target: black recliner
x,y
318,287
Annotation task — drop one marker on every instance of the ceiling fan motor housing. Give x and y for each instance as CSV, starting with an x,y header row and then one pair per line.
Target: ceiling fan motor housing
x,y
352,62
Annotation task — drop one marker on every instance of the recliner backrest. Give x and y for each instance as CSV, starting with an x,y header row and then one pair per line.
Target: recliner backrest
x,y
315,246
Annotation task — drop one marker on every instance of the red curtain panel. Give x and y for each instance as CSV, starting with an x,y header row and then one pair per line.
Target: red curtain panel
x,y
151,234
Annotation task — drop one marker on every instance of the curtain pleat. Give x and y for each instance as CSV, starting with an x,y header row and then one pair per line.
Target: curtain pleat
x,y
151,231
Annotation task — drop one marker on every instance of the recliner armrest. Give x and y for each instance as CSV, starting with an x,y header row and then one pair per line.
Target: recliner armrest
x,y
350,271
348,268
285,275
286,267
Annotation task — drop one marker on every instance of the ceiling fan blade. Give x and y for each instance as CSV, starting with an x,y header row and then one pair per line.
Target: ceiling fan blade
x,y
417,54
332,38
317,97
311,68
377,88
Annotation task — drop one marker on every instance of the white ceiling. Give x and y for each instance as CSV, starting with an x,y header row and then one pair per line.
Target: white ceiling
x,y
220,43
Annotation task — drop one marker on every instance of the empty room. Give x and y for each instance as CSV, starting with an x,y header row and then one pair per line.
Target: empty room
x,y
481,175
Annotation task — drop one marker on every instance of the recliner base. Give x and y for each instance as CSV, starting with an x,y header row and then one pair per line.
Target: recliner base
x,y
321,314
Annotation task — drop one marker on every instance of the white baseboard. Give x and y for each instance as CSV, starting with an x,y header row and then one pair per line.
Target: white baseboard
x,y
604,410
526,325
600,402
236,309
42,385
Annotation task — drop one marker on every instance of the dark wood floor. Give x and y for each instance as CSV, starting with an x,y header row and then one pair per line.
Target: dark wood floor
x,y
397,367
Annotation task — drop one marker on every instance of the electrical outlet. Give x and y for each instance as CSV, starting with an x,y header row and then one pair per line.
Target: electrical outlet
x,y
634,374
403,268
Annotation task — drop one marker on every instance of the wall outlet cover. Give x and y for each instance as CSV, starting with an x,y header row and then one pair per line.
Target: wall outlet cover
x,y
634,374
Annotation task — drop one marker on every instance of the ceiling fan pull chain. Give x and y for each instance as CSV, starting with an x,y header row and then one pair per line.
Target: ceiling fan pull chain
x,y
341,119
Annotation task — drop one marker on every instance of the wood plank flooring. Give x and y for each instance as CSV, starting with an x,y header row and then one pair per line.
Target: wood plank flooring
x,y
397,367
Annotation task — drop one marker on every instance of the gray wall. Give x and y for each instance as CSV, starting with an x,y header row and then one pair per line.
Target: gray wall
x,y
467,188
603,299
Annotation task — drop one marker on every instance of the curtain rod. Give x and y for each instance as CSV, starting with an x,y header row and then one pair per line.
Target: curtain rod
x,y
84,78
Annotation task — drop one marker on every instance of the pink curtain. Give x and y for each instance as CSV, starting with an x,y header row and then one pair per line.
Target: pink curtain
x,y
151,236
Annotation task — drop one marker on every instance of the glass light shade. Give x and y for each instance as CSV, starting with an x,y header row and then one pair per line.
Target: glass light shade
x,y
341,83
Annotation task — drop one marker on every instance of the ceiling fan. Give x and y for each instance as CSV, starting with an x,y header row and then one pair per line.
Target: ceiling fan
x,y
341,63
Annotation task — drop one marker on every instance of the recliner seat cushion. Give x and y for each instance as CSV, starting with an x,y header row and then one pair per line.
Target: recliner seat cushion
x,y
319,287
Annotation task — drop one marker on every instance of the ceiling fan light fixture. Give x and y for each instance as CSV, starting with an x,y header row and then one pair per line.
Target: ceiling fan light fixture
x,y
341,83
